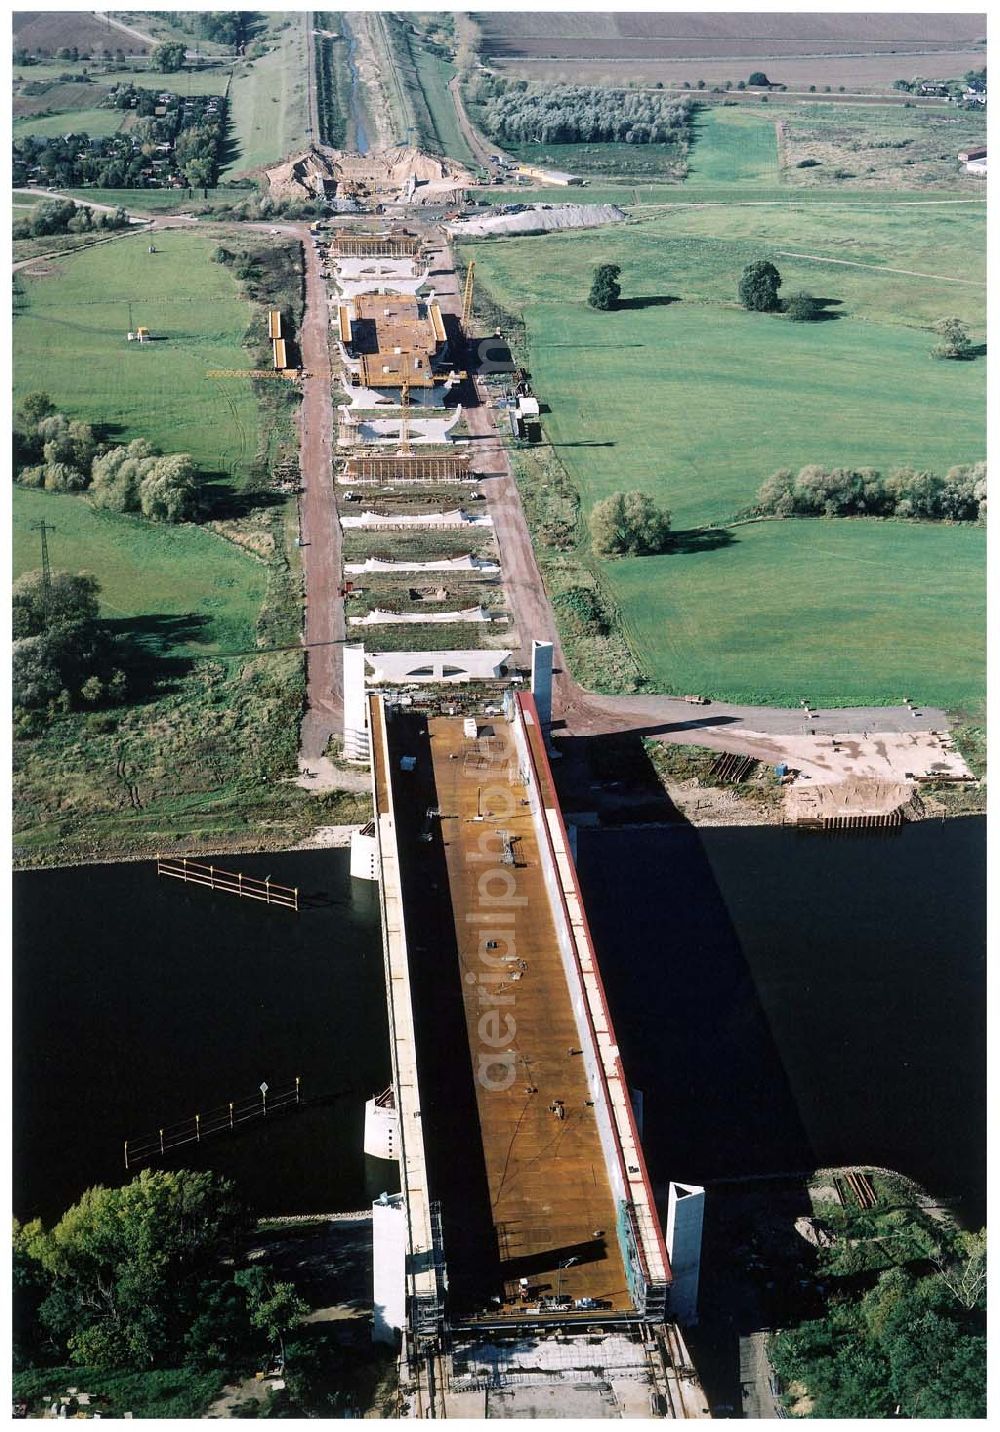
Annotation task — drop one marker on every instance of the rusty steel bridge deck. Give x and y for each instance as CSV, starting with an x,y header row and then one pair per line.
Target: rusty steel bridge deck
x,y
551,1202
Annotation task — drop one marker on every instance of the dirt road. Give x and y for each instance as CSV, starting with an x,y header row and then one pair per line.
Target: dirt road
x,y
481,147
319,528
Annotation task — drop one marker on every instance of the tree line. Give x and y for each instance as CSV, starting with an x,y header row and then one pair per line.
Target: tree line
x,y
817,491
904,1329
62,216
516,113
150,1275
62,454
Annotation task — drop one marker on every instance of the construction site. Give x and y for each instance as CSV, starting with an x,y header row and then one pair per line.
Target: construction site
x,y
524,1258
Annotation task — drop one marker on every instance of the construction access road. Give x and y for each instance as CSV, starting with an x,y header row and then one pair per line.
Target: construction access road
x,y
319,528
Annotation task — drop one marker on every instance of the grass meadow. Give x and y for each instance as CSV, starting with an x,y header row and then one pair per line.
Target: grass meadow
x,y
268,101
841,612
200,756
683,394
732,146
698,403
433,76
151,574
98,123
69,340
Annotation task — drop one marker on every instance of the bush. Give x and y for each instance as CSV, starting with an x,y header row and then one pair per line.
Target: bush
x,y
629,524
584,606
802,307
955,342
168,492
69,598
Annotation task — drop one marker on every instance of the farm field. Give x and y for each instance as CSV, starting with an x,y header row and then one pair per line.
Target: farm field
x,y
148,570
863,74
847,612
857,50
69,340
48,31
268,100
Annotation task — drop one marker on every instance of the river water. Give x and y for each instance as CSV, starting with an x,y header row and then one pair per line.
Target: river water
x,y
787,1000
140,1001
782,1000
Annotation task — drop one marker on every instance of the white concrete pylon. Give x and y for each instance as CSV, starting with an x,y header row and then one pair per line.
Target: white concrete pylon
x,y
685,1215
356,743
541,679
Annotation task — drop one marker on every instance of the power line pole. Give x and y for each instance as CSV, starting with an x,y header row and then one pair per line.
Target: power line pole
x,y
43,528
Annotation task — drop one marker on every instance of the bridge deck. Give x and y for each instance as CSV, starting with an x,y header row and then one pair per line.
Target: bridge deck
x,y
550,1197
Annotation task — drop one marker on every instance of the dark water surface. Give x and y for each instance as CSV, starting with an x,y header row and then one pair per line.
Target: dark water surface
x,y
139,1001
784,1001
789,1000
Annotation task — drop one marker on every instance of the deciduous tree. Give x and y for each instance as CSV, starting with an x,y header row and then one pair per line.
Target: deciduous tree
x,y
759,284
629,524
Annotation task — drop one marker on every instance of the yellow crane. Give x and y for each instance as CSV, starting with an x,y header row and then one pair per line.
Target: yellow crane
x,y
467,300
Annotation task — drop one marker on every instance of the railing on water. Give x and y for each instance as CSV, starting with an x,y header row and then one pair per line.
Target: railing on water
x,y
224,1118
193,872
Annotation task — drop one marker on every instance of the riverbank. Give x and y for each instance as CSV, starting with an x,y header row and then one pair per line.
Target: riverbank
x,y
323,837
777,1248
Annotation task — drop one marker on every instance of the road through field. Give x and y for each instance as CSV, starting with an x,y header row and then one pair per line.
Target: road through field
x,y
318,525
878,268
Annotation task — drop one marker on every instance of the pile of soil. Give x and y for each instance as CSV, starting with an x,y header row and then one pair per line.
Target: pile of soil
x,y
540,218
383,171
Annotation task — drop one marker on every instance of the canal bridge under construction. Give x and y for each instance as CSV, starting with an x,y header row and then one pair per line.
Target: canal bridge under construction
x,y
525,1199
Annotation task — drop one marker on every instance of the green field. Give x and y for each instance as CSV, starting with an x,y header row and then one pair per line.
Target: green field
x,y
98,123
696,251
69,340
692,399
732,146
618,161
433,75
148,570
699,403
268,102
845,613
141,201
